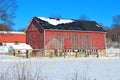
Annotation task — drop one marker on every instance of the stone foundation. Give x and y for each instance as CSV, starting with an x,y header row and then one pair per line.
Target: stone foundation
x,y
102,52
59,53
15,53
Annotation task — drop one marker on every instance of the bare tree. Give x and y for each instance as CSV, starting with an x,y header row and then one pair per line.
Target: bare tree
x,y
104,26
7,12
4,27
22,30
113,34
116,20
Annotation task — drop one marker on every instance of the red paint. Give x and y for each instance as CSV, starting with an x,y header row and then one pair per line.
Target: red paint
x,y
12,38
35,35
39,38
67,43
75,39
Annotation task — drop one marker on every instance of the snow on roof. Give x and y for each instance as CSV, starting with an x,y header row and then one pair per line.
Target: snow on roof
x,y
54,21
97,25
4,48
12,46
67,24
12,32
20,46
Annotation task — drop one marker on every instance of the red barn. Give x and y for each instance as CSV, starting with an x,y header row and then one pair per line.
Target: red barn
x,y
12,37
63,35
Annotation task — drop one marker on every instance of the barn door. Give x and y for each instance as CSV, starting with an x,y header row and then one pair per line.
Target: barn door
x,y
67,43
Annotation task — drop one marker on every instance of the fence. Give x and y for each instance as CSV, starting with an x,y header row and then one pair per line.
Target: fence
x,y
63,53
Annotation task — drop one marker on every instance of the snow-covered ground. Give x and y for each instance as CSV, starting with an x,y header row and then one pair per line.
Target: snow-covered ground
x,y
113,52
91,68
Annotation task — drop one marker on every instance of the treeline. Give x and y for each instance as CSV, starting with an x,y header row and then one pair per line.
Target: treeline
x,y
7,14
113,33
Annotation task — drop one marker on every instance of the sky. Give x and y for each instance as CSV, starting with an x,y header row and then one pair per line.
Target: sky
x,y
101,11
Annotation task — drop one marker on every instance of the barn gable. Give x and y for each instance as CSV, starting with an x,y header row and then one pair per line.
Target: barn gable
x,y
35,34
34,26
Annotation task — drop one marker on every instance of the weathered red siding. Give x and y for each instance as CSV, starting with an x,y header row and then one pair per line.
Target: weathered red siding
x,y
12,38
40,38
62,39
68,43
35,35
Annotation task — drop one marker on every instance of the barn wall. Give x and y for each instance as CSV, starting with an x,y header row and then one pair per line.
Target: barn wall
x,y
35,35
12,38
56,39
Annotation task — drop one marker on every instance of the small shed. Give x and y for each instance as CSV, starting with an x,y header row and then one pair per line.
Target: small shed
x,y
20,50
8,38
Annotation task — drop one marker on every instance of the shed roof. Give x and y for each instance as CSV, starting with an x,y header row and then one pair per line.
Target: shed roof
x,y
20,46
66,24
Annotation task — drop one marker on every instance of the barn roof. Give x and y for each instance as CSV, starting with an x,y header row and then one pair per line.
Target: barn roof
x,y
66,24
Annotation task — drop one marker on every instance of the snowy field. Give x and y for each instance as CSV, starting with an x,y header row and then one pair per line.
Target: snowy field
x,y
113,52
91,68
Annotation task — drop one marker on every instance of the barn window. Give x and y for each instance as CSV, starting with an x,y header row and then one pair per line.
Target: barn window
x,y
96,51
82,50
79,50
65,50
93,50
88,51
70,50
